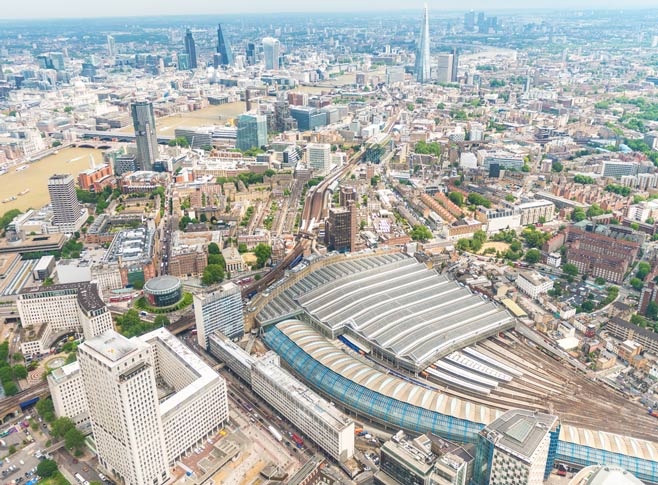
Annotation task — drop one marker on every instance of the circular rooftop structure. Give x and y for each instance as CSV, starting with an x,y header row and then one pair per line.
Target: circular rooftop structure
x,y
163,291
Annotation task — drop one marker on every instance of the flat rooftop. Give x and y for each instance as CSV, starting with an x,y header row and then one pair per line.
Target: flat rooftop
x,y
305,398
202,374
520,432
111,345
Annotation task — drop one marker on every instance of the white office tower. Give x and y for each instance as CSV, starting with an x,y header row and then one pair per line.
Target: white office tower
x,y
68,215
445,70
220,310
120,382
271,52
157,388
319,157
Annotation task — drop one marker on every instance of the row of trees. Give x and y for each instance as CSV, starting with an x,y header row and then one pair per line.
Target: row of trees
x,y
131,325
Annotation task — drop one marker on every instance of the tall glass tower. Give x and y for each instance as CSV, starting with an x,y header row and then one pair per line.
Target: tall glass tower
x,y
271,52
223,48
145,135
423,53
190,49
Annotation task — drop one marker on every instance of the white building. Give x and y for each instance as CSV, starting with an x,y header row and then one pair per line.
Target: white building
x,y
319,157
314,416
554,259
120,382
48,313
68,394
533,283
220,310
167,397
514,448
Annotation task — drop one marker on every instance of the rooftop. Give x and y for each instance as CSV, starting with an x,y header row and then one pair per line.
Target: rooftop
x,y
520,431
111,345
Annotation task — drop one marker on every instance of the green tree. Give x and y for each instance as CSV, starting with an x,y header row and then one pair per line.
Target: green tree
x,y
457,198
636,283
652,310
587,306
217,259
578,214
180,141
643,269
74,438
420,233
532,256
570,269
20,372
213,248
161,321
46,468
242,248
510,198
61,426
46,409
72,357
10,388
556,166
213,273
263,253
599,281
594,210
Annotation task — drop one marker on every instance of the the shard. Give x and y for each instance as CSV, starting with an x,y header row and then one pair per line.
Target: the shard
x,y
423,53
223,48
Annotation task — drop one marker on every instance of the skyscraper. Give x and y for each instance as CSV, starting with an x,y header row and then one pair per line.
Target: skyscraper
x,y
455,65
145,135
341,230
111,46
223,48
469,21
221,311
446,68
252,131
66,207
271,52
190,49
122,394
423,53
251,54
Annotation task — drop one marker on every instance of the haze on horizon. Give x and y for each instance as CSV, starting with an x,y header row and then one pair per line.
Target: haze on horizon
x,y
44,9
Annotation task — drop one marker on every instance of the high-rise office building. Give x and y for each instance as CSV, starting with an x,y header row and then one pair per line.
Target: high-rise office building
x,y
455,65
252,131
518,447
191,403
251,54
319,157
423,72
223,48
119,377
190,49
111,46
220,310
271,52
65,204
340,231
469,21
145,134
445,69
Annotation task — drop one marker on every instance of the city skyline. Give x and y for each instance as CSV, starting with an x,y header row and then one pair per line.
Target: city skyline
x,y
72,9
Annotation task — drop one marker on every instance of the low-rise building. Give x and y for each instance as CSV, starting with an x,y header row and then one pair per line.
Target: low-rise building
x,y
533,283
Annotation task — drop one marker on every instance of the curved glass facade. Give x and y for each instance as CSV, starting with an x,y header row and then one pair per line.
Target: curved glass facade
x,y
413,418
367,402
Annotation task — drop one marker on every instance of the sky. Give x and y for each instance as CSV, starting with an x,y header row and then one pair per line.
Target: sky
x,y
24,9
